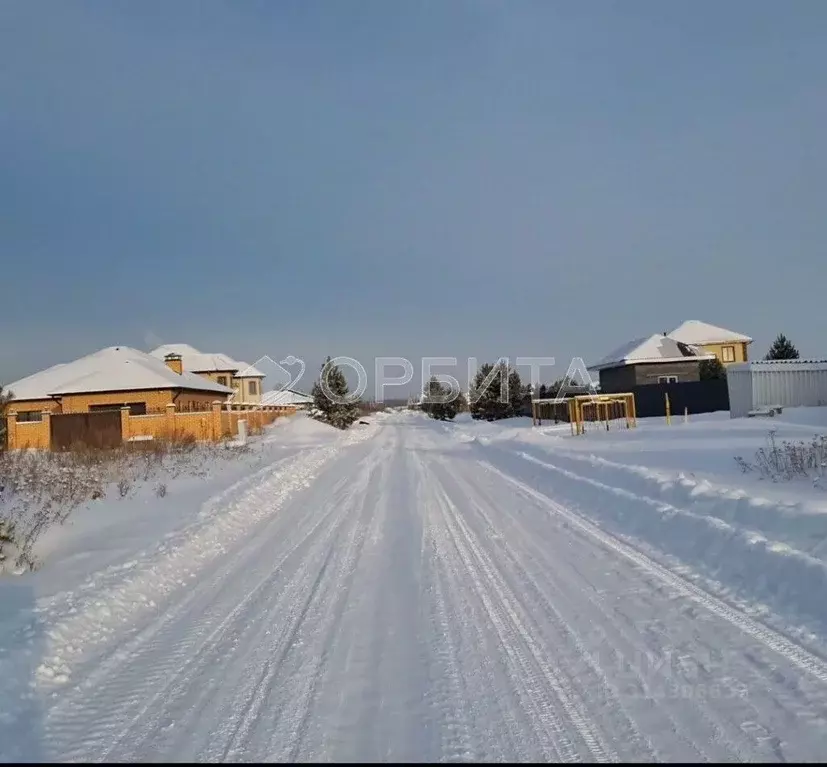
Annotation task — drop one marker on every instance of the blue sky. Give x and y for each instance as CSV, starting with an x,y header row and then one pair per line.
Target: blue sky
x,y
429,177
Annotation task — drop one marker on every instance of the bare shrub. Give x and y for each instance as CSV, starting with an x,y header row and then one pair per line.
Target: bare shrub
x,y
787,460
7,538
39,489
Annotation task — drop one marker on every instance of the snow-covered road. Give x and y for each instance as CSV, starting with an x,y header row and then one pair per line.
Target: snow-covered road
x,y
404,595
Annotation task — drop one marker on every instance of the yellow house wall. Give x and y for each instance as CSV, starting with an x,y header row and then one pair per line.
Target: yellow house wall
x,y
242,388
185,398
213,376
39,405
717,350
80,403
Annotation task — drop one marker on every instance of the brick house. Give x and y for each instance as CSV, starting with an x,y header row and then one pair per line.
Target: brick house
x,y
109,379
657,359
727,345
245,380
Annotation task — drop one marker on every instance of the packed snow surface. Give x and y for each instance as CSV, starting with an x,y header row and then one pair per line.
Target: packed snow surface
x,y
418,591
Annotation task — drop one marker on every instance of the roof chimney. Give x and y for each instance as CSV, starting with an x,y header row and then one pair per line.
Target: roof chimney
x,y
174,362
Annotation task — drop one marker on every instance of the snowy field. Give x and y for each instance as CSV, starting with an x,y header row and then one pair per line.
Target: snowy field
x,y
412,590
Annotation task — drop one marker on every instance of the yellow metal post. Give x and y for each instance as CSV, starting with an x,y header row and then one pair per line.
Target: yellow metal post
x,y
686,415
668,409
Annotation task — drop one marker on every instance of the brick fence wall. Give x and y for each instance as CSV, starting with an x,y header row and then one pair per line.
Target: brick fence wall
x,y
219,422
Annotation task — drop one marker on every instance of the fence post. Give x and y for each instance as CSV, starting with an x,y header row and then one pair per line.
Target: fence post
x,y
11,430
216,420
125,435
169,420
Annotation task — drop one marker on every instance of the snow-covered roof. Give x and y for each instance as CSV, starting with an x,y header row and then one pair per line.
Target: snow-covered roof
x,y
286,397
194,361
697,332
116,368
181,349
655,348
248,371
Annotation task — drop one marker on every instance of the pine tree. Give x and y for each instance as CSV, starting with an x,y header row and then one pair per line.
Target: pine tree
x,y
782,349
500,397
516,393
556,388
340,410
711,369
543,391
435,401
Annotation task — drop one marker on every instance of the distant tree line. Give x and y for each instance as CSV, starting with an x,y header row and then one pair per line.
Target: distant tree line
x,y
496,392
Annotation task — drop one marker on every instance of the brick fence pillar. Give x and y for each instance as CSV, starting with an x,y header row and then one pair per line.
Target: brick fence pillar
x,y
125,424
46,429
11,430
169,420
216,420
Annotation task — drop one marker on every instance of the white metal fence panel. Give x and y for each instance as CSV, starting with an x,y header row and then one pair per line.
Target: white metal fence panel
x,y
739,384
788,383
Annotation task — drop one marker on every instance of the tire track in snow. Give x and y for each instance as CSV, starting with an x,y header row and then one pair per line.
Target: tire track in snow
x,y
737,716
104,614
727,734
172,702
565,631
520,646
795,654
464,687
324,602
329,616
131,674
449,689
127,687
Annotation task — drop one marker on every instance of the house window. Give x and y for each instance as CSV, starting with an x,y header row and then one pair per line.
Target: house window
x,y
667,379
222,380
253,387
30,416
728,353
